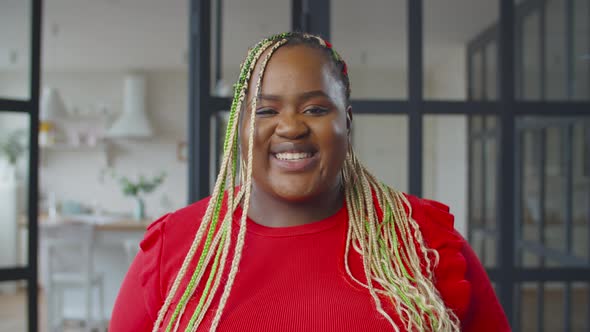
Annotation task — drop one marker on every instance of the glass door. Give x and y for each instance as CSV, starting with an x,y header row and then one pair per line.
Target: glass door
x,y
20,30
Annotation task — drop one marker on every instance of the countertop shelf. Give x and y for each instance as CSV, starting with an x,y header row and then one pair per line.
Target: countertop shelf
x,y
117,224
103,146
67,146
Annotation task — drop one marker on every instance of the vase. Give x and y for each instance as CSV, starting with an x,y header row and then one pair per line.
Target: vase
x,y
139,212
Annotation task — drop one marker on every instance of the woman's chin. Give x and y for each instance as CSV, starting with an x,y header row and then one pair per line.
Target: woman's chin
x,y
294,189
295,195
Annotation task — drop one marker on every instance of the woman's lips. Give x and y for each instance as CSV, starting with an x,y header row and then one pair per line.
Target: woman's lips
x,y
295,161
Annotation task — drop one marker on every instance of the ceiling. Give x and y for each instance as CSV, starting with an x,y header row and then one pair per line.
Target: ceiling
x,y
152,34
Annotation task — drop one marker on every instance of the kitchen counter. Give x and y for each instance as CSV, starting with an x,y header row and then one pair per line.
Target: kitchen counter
x,y
109,223
114,236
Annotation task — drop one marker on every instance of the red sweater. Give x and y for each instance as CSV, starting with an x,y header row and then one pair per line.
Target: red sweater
x,y
293,278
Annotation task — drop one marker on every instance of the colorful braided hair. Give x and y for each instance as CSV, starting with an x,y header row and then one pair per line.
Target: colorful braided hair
x,y
398,266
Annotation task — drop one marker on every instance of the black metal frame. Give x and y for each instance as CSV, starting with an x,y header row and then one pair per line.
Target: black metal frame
x,y
314,17
200,99
510,271
30,107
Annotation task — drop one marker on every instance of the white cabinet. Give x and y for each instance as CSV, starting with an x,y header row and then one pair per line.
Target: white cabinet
x,y
9,207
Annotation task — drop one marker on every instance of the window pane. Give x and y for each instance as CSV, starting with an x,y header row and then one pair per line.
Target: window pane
x,y
376,53
491,70
446,164
491,176
449,28
581,190
239,33
112,37
476,124
15,52
483,160
14,184
13,306
542,306
580,305
89,50
553,303
555,49
530,64
555,191
530,183
529,299
477,76
381,144
477,182
581,53
554,32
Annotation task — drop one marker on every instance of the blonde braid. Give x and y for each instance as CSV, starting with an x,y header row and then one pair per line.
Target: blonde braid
x,y
248,189
231,155
413,295
215,202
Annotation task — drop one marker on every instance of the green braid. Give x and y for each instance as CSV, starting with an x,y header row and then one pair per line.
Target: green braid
x,y
219,198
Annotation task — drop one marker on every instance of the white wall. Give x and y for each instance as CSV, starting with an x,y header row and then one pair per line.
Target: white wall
x,y
75,174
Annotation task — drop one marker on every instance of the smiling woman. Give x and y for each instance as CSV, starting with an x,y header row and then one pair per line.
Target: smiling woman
x,y
308,240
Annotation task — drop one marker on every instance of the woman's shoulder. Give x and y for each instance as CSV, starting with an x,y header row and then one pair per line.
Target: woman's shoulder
x,y
163,247
173,232
178,222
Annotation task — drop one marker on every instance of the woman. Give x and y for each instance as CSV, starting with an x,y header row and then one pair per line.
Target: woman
x,y
323,246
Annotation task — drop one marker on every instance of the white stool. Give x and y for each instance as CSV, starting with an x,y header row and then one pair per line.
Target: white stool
x,y
70,265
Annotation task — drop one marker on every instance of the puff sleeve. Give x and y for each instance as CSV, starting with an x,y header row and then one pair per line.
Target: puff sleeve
x,y
460,278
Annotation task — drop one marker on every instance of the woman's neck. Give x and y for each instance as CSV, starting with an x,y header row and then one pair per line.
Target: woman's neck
x,y
272,211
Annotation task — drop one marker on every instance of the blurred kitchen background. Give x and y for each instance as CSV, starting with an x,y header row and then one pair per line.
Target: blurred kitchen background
x,y
130,122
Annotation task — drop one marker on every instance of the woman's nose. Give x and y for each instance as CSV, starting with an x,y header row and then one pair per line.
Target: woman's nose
x,y
291,126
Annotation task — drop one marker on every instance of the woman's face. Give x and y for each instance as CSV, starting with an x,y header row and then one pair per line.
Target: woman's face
x,y
301,132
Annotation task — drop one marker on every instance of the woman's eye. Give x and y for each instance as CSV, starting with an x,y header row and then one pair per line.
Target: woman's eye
x,y
265,112
316,111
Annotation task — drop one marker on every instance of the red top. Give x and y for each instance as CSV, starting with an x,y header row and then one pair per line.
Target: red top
x,y
293,278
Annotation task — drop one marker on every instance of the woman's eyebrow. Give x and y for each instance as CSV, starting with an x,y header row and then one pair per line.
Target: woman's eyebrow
x,y
301,96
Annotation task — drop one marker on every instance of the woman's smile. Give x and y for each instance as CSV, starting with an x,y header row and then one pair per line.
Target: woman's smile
x,y
295,162
294,157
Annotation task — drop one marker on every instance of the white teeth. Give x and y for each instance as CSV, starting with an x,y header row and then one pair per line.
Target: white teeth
x,y
293,155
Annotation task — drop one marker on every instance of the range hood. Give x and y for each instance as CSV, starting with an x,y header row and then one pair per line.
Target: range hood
x,y
133,121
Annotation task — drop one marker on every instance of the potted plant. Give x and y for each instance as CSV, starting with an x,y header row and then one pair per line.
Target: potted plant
x,y
138,188
12,147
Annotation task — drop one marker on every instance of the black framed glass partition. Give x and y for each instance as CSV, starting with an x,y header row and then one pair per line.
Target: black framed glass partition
x,y
20,32
550,237
481,92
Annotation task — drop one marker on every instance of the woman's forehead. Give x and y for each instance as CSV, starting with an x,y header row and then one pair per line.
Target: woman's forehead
x,y
294,69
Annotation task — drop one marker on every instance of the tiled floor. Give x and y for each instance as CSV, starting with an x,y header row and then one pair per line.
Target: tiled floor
x,y
13,312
